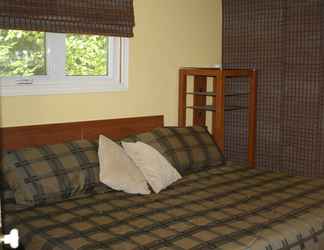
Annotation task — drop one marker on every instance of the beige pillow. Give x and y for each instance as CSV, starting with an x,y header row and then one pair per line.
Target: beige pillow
x,y
158,172
117,170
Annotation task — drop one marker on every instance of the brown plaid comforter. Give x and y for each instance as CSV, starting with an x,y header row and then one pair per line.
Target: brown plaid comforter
x,y
228,207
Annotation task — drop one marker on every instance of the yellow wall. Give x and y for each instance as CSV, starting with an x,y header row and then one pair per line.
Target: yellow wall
x,y
168,34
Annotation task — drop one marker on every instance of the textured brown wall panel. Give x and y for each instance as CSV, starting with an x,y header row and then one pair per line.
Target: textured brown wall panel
x,y
283,39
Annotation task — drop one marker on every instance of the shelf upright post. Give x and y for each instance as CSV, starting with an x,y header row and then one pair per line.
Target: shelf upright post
x,y
218,115
182,98
252,118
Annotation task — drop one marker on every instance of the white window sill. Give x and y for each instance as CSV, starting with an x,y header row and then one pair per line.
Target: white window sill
x,y
55,89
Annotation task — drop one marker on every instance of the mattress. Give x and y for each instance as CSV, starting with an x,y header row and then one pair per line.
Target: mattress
x,y
229,207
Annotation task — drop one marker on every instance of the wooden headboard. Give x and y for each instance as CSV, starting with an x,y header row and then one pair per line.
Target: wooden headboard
x,y
26,136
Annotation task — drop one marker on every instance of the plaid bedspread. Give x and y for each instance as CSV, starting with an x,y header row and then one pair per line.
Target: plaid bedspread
x,y
229,207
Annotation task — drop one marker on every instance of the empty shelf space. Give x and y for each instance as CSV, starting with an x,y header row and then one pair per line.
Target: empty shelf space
x,y
211,108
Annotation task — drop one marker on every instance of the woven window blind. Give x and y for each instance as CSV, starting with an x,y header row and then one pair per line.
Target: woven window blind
x,y
99,17
284,41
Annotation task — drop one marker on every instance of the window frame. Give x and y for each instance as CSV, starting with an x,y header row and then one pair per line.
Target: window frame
x,y
56,82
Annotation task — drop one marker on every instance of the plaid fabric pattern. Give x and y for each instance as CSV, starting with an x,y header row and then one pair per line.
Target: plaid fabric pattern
x,y
226,208
49,173
187,149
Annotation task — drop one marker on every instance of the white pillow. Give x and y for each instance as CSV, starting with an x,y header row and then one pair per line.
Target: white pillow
x,y
158,172
117,170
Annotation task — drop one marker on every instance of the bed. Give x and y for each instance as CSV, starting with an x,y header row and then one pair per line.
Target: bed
x,y
228,206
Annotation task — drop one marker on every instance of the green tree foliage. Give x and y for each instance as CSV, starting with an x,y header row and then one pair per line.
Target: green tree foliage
x,y
22,53
86,55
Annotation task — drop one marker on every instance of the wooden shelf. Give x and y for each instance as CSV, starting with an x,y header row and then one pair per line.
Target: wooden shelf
x,y
203,108
212,108
218,107
211,72
211,93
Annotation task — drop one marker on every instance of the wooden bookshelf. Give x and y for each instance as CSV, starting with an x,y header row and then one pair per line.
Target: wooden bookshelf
x,y
218,107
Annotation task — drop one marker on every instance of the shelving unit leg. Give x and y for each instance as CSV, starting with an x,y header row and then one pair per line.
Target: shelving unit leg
x,y
252,118
182,99
218,115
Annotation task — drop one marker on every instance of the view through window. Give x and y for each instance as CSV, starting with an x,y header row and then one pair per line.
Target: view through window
x,y
69,61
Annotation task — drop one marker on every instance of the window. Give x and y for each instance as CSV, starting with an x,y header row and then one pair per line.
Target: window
x,y
34,63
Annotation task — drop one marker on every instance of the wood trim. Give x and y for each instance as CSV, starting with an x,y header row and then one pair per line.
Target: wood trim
x,y
252,118
182,98
213,72
200,85
218,115
27,136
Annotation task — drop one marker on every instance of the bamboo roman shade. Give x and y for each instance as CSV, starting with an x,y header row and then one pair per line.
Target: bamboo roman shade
x,y
100,17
